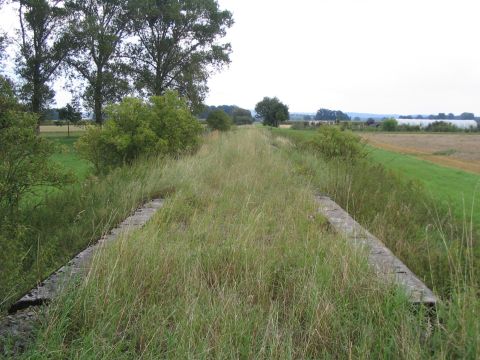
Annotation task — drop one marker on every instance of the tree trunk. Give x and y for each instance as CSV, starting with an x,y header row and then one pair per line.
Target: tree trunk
x,y
37,98
98,97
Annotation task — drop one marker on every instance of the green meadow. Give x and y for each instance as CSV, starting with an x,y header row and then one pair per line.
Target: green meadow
x,y
456,189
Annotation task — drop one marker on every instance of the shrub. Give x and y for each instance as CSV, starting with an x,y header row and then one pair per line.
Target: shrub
x,y
409,128
441,126
301,125
162,126
332,143
219,120
24,161
243,120
242,116
389,125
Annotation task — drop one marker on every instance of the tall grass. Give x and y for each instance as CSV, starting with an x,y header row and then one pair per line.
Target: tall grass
x,y
428,237
237,264
421,230
68,221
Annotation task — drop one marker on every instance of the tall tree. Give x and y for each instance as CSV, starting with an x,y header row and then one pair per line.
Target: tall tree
x,y
99,27
178,46
3,41
43,47
335,115
272,111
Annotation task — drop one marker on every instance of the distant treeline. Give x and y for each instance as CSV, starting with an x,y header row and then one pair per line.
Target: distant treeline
x,y
239,116
442,116
334,115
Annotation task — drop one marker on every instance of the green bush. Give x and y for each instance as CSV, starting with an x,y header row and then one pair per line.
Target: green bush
x,y
219,120
441,126
25,166
409,128
332,143
24,161
389,125
162,126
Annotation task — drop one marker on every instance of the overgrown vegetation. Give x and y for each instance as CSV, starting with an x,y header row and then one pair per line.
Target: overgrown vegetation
x,y
220,272
219,120
332,143
68,221
432,241
441,126
40,232
134,129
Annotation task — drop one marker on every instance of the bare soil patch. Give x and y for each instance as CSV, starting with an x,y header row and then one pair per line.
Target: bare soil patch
x,y
461,151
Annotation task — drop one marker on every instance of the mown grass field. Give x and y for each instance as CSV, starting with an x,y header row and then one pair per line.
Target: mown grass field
x,y
238,264
456,189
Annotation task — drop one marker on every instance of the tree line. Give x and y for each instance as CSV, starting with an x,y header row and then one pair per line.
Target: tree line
x,y
108,49
238,115
442,116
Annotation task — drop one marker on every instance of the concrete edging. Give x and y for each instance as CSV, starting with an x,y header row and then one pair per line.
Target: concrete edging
x,y
385,263
24,313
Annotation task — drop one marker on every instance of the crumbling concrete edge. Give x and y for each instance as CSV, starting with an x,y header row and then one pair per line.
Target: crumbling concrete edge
x,y
384,262
24,313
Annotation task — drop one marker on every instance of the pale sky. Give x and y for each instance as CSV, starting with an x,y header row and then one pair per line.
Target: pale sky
x,y
375,56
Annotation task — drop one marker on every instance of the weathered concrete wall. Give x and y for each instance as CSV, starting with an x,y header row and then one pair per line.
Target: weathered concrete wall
x,y
385,263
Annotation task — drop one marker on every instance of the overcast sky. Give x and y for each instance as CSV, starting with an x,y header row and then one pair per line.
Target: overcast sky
x,y
382,56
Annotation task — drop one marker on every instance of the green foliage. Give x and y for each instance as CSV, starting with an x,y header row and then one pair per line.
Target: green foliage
x,y
332,115
418,209
240,116
70,114
24,160
25,166
68,221
220,264
97,29
219,120
332,143
163,126
442,126
42,50
389,125
178,46
300,125
409,128
272,111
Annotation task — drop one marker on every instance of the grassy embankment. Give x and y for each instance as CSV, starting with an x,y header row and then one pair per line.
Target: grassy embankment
x,y
422,225
429,236
455,189
68,220
238,264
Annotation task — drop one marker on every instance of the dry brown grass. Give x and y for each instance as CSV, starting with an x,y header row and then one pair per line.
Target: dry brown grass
x,y
460,151
60,129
